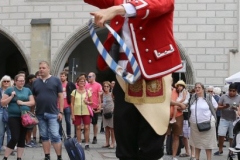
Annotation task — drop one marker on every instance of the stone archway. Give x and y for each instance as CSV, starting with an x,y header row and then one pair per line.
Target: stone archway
x,y
82,33
65,50
189,75
14,43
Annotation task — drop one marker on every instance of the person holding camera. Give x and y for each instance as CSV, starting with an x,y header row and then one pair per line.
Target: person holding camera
x,y
228,104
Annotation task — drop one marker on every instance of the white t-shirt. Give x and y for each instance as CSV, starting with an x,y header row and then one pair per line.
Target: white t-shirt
x,y
203,112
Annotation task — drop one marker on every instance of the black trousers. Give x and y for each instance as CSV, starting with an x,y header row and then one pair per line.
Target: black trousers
x,y
136,140
18,133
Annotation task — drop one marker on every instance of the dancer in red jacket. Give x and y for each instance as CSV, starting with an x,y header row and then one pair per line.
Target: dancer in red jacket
x,y
146,26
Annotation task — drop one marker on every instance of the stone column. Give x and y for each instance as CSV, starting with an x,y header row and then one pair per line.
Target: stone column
x,y
40,42
234,55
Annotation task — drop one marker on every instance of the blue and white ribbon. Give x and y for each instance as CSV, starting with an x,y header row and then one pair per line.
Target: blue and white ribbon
x,y
128,77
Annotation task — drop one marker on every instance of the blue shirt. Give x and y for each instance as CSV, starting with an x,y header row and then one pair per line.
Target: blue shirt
x,y
23,95
46,95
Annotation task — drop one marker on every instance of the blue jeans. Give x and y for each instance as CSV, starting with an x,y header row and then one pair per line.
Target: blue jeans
x,y
3,128
49,127
67,116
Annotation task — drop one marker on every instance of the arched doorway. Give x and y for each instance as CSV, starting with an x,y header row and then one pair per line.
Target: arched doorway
x,y
12,54
80,50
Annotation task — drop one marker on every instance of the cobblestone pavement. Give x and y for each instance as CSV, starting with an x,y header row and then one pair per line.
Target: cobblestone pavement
x,y
97,153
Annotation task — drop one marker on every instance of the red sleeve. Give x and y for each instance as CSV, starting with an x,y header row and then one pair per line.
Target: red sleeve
x,y
100,3
152,8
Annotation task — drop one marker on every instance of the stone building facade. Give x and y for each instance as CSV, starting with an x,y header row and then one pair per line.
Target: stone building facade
x,y
207,32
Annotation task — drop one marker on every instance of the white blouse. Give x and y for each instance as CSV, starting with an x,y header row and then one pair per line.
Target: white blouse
x,y
203,112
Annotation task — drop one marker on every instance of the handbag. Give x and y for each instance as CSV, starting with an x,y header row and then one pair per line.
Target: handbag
x,y
5,115
203,126
90,110
108,115
29,120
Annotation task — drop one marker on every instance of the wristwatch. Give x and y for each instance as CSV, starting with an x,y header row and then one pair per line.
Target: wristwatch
x,y
61,113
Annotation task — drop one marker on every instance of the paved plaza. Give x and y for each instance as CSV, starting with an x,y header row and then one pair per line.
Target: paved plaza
x,y
98,153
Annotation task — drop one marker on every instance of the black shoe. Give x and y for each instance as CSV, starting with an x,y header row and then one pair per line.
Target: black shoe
x,y
87,147
94,140
46,158
83,141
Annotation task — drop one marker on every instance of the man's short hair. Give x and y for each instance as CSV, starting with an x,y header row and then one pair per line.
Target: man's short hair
x,y
63,73
30,76
45,62
233,86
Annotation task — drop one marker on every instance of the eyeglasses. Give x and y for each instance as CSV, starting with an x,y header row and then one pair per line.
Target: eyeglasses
x,y
6,81
106,86
21,81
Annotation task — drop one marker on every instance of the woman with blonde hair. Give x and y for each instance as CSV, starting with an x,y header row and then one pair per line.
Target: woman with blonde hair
x,y
4,84
108,107
18,98
80,99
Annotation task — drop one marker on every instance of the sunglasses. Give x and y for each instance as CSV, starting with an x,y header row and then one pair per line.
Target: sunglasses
x,y
89,76
6,81
210,91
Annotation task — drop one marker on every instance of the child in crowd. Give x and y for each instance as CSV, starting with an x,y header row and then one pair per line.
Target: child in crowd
x,y
182,96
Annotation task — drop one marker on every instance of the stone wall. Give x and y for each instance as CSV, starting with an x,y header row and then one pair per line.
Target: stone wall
x,y
206,28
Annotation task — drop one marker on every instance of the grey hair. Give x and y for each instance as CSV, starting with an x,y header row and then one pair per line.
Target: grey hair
x,y
5,77
210,87
217,90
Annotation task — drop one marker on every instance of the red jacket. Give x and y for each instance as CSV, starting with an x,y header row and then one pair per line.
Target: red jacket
x,y
151,33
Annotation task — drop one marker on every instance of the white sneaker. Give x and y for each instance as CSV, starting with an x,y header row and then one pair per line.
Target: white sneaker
x,y
173,121
174,158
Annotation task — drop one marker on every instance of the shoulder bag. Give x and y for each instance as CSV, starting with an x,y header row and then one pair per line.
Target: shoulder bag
x,y
89,107
203,126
